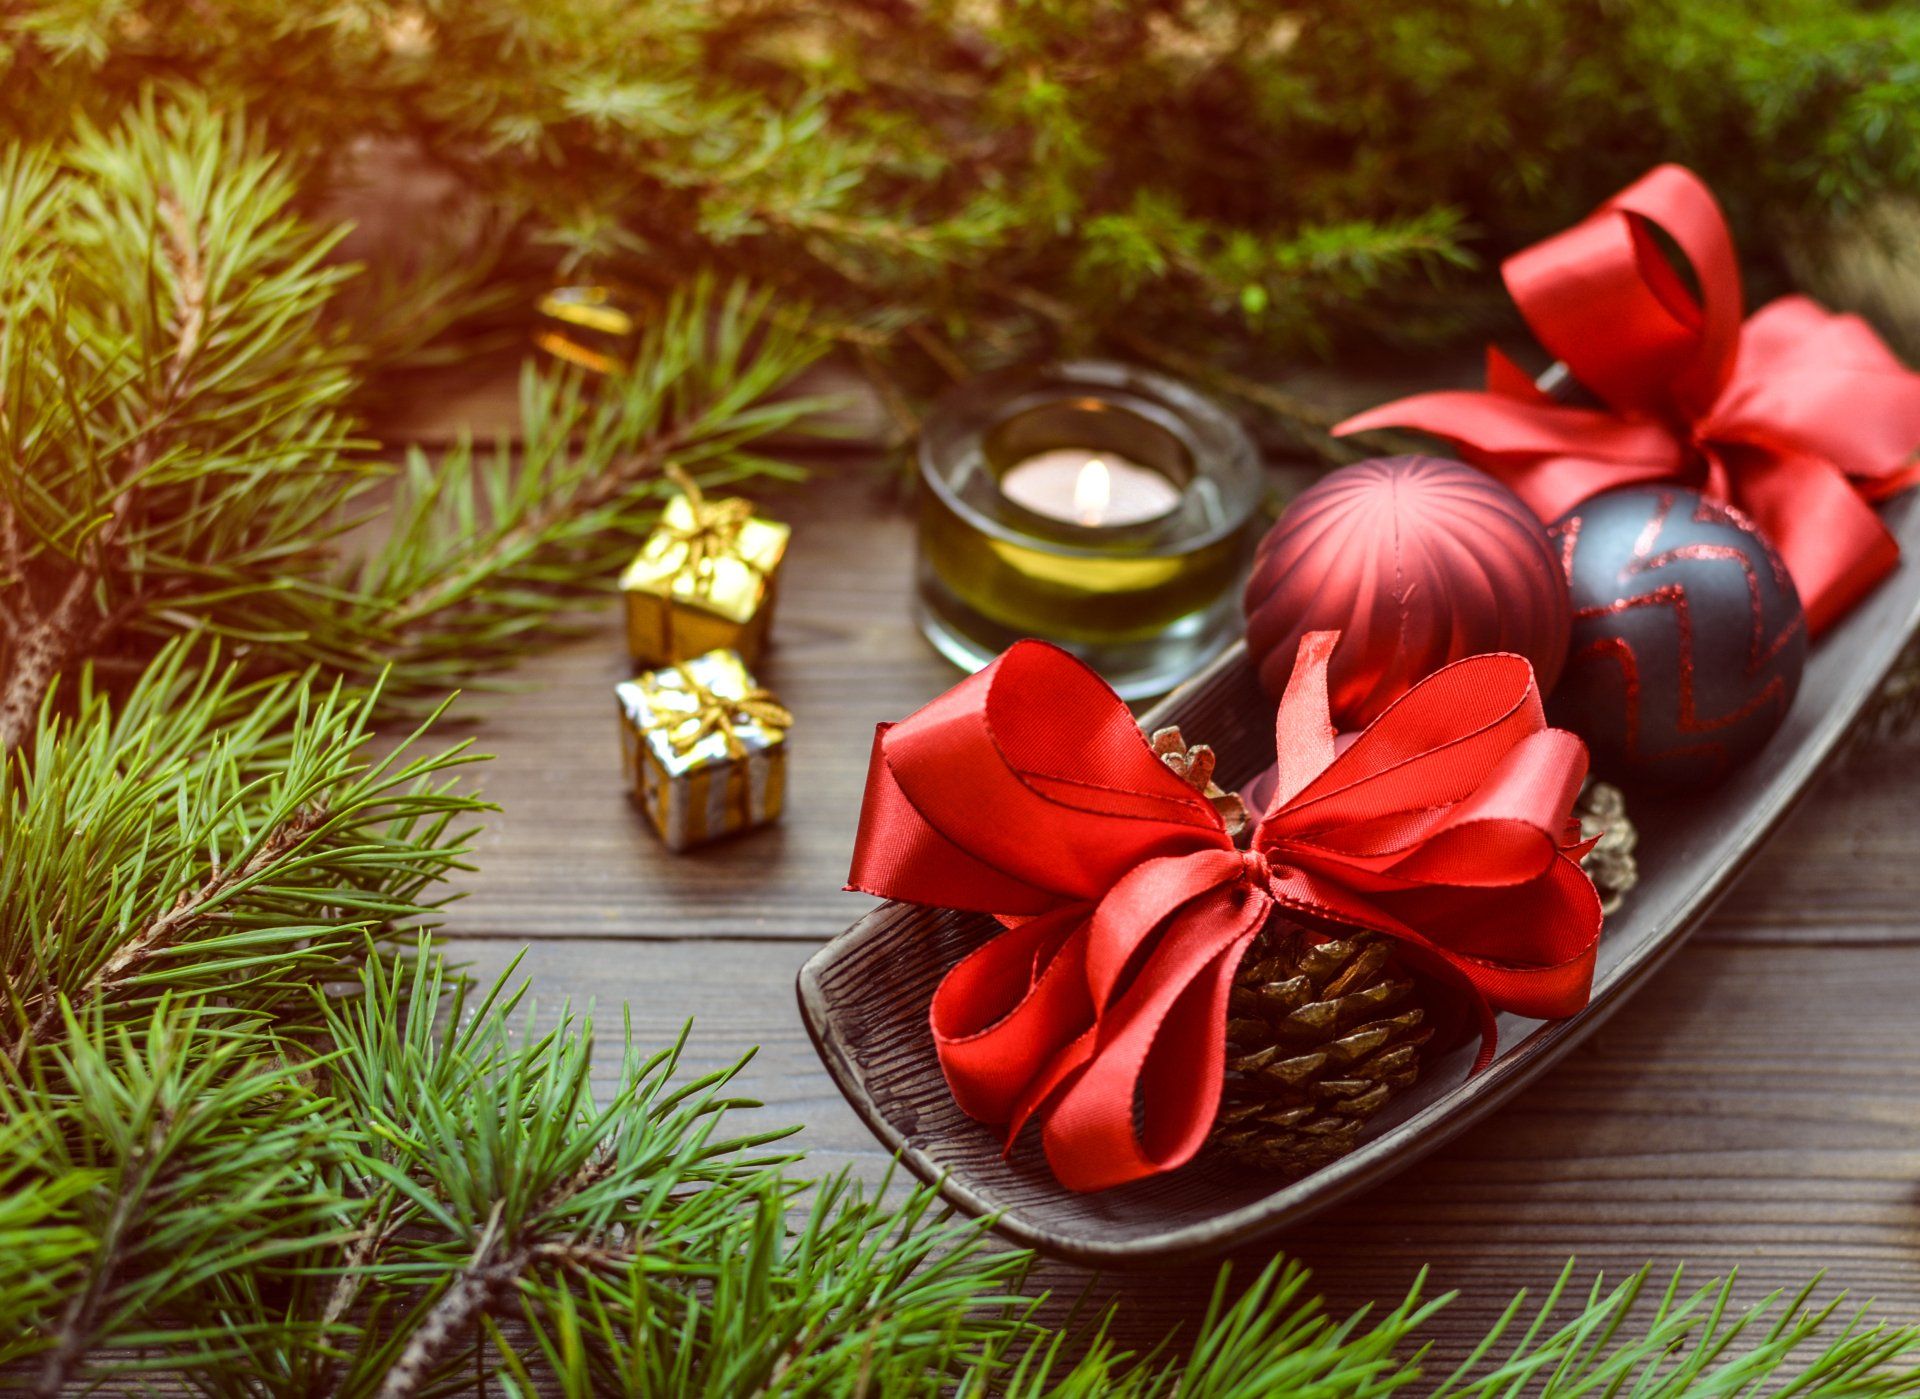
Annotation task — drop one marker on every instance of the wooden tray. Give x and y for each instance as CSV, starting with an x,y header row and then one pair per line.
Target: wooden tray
x,y
864,995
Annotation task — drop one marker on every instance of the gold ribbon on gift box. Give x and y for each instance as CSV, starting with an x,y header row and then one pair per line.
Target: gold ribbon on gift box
x,y
715,713
704,580
706,748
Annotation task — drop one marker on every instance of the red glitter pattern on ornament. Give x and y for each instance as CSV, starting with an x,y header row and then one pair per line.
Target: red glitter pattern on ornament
x,y
1568,533
1674,595
1758,649
1617,649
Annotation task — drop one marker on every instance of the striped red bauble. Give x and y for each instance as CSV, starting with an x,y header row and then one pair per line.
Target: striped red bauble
x,y
1417,561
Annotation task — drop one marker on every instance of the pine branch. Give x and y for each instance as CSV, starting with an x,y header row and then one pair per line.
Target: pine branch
x,y
207,834
42,647
192,907
171,409
1252,177
195,1148
449,1322
484,546
488,1161
176,412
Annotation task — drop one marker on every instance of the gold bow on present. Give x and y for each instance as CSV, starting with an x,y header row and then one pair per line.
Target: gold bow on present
x,y
710,532
704,580
715,713
705,748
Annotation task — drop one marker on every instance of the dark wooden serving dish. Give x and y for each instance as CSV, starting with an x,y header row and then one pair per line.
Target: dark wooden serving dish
x,y
864,995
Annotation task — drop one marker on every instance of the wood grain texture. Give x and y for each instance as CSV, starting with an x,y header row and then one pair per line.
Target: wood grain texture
x,y
569,856
1757,1107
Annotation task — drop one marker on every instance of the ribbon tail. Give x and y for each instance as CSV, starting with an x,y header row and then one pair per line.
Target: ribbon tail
x,y
1163,1044
1832,542
1547,974
1552,456
1304,736
1003,1012
1120,935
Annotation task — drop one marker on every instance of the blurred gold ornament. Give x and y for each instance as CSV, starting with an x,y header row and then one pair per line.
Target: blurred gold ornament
x,y
595,325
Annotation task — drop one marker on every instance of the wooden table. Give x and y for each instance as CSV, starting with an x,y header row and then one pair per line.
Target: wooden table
x,y
1758,1108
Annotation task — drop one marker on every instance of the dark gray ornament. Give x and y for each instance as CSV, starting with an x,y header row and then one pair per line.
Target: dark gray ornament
x,y
1688,637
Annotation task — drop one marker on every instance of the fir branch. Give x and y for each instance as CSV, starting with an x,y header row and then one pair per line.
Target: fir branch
x,y
487,1160
171,412
449,1322
483,546
176,413
1214,174
42,645
208,834
196,1144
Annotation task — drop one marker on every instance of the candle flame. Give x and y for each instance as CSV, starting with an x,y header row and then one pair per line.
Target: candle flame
x,y
1092,492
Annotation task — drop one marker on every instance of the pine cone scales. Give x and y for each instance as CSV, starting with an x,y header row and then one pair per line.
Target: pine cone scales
x,y
1320,1036
1323,1034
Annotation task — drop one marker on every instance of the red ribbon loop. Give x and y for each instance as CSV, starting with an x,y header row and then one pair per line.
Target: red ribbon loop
x,y
1028,792
1798,417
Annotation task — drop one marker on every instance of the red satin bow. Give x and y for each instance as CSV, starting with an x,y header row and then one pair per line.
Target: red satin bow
x,y
1028,792
1799,417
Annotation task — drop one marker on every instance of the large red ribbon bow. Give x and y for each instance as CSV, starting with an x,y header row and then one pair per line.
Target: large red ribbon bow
x,y
1799,417
1028,792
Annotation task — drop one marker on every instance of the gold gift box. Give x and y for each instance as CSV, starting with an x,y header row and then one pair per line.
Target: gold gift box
x,y
705,579
704,748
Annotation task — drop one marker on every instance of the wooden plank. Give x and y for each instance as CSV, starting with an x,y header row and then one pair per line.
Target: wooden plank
x,y
1757,1108
569,857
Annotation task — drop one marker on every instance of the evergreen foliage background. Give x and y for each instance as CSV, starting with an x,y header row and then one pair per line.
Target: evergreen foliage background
x,y
252,1132
1212,175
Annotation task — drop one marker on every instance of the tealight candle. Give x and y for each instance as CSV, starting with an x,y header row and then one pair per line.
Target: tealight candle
x,y
1094,505
1089,488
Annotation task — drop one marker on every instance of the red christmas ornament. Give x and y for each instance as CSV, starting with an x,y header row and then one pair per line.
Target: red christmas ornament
x,y
1417,562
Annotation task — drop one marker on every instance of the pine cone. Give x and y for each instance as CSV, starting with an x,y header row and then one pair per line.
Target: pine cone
x,y
1610,864
1320,1036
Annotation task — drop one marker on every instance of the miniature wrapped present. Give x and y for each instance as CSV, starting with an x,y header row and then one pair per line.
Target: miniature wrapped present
x,y
704,580
705,749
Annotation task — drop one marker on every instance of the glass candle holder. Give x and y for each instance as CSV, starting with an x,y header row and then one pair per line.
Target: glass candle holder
x,y
1094,505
